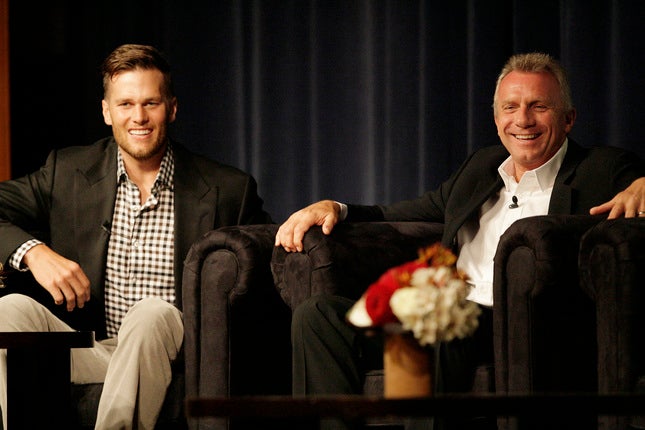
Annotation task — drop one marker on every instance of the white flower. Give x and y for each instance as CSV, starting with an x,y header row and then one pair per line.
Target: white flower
x,y
434,308
429,299
358,315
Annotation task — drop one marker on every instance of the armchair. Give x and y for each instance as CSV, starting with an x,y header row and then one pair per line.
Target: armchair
x,y
543,322
612,255
345,263
237,329
544,325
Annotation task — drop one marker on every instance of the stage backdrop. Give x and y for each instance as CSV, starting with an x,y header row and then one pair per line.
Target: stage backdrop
x,y
360,101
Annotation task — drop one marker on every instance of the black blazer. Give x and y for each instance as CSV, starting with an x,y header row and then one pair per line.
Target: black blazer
x,y
587,177
71,198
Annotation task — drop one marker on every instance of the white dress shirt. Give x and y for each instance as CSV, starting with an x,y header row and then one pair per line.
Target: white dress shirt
x,y
478,239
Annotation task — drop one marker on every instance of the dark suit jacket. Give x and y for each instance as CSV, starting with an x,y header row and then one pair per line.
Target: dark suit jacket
x,y
587,177
69,200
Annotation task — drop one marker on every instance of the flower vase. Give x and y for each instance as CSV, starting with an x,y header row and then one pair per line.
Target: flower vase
x,y
407,367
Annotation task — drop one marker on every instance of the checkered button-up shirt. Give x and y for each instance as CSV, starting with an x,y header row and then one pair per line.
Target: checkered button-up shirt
x,y
140,260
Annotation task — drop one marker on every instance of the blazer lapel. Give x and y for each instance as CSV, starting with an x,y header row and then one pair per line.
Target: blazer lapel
x,y
96,191
562,195
195,209
482,192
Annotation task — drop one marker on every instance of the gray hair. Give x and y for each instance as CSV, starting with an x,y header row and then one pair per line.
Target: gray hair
x,y
536,62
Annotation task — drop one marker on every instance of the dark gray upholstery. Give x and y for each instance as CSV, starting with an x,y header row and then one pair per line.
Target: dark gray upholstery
x,y
237,338
237,329
612,255
544,324
239,291
348,260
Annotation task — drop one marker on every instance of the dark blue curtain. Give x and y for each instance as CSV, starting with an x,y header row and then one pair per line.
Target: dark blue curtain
x,y
360,101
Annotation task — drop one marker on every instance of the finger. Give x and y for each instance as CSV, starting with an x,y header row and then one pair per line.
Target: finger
x,y
616,212
82,294
281,235
70,297
630,207
82,286
298,235
631,213
285,238
75,287
605,207
328,225
57,295
278,236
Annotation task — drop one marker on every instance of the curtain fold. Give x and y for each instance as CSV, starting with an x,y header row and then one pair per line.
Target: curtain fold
x,y
362,101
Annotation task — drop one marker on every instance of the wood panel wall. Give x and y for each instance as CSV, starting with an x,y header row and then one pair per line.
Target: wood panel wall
x,y
5,135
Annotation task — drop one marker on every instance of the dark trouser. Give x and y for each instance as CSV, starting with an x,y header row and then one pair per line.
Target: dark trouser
x,y
331,357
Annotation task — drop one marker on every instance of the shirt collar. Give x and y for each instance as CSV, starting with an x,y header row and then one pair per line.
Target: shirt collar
x,y
164,176
544,175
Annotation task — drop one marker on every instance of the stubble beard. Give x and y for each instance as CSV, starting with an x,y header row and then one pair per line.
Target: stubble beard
x,y
147,153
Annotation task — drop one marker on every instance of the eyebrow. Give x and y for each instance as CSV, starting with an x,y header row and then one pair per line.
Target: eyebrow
x,y
131,99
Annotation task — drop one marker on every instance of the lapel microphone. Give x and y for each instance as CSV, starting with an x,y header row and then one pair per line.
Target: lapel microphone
x,y
514,204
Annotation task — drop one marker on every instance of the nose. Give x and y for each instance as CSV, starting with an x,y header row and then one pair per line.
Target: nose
x,y
139,114
523,117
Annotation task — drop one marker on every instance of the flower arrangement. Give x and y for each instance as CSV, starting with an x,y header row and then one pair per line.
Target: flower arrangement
x,y
427,297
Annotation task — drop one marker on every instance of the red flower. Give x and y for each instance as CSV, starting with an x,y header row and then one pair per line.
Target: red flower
x,y
433,308
377,296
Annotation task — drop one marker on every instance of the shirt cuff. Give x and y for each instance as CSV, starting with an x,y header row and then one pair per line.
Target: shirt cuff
x,y
15,260
343,210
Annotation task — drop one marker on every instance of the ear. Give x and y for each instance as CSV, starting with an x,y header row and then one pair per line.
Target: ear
x,y
172,110
569,120
107,118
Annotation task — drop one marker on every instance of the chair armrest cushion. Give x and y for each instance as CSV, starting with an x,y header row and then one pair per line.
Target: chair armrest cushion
x,y
232,312
544,325
349,259
612,255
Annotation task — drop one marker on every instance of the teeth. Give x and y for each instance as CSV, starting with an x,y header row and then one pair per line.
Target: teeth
x,y
526,136
140,132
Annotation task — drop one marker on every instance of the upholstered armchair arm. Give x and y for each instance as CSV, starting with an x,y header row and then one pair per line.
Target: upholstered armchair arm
x,y
612,259
544,324
236,326
349,259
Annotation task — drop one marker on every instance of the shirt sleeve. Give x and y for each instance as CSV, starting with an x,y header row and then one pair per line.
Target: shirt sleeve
x,y
15,260
343,211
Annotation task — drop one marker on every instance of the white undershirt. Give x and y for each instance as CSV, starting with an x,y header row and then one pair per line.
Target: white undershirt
x,y
478,240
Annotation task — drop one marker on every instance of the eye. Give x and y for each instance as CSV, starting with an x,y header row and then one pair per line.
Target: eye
x,y
509,108
540,108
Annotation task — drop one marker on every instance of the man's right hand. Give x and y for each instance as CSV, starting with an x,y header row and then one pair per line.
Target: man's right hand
x,y
324,213
63,278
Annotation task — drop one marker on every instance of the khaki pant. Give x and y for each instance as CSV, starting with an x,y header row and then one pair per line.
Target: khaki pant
x,y
135,367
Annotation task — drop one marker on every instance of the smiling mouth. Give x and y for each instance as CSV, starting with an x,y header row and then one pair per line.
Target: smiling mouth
x,y
526,136
140,132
